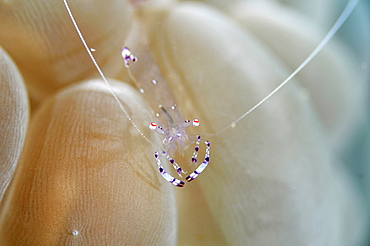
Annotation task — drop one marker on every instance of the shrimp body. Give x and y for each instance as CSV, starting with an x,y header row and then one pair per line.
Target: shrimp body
x,y
172,127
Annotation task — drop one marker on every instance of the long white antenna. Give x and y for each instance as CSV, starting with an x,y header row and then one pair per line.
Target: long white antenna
x,y
102,74
342,18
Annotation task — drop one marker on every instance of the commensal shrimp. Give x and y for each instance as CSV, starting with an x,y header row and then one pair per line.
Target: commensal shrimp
x,y
147,76
172,126
148,79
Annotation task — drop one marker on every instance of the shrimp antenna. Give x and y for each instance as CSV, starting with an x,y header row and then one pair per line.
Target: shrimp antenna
x,y
338,24
102,74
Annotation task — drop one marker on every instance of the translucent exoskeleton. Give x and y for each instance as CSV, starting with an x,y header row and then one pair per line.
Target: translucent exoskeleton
x,y
173,127
170,124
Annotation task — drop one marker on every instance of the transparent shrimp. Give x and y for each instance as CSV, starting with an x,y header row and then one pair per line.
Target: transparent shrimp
x,y
155,89
171,125
148,79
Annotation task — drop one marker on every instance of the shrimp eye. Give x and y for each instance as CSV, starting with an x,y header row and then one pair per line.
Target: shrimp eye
x,y
152,126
